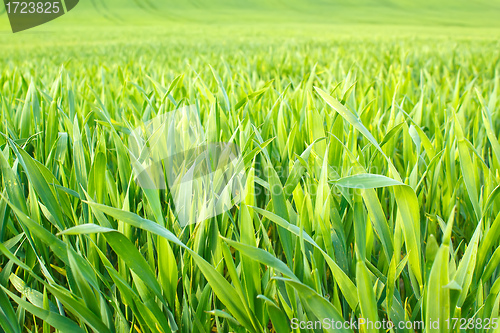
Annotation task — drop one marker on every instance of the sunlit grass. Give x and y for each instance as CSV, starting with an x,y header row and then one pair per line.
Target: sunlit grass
x,y
372,173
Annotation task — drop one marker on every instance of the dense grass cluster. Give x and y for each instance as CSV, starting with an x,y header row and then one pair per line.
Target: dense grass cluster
x,y
372,180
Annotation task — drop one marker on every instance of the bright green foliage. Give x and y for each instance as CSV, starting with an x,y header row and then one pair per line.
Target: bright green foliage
x,y
373,172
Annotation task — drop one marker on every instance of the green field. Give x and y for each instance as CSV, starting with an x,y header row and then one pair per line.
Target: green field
x,y
369,135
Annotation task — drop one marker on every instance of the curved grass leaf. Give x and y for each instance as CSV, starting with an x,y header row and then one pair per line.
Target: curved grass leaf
x,y
346,286
52,318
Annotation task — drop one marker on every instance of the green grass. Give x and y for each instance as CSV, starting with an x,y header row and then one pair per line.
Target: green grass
x,y
371,150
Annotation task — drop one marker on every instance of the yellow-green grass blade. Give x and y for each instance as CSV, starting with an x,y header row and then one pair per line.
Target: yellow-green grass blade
x,y
52,318
319,306
222,288
367,300
408,207
345,284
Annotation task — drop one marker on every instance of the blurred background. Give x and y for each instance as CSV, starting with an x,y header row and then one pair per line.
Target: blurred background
x,y
94,19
